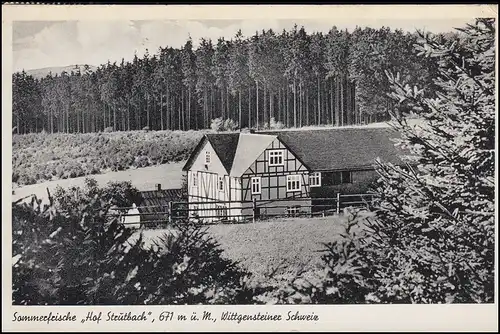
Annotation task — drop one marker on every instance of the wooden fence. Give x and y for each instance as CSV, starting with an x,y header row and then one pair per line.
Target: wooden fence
x,y
220,212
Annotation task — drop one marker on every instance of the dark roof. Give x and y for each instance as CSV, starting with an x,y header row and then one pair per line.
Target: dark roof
x,y
225,145
193,154
341,148
158,198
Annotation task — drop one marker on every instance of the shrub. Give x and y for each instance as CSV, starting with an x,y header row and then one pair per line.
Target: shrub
x,y
99,150
141,161
431,237
273,124
230,125
218,125
71,252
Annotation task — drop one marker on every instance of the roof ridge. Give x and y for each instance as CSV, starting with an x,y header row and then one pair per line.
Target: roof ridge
x,y
264,132
225,151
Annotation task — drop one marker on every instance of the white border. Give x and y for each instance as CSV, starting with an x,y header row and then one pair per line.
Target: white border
x,y
332,318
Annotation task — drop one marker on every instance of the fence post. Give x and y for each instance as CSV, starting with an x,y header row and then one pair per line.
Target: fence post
x,y
254,209
338,203
170,212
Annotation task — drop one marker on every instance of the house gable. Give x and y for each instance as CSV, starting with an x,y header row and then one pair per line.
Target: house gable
x,y
194,154
221,145
250,146
261,164
199,160
225,145
273,178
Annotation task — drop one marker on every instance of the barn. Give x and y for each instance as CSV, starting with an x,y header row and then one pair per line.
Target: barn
x,y
226,172
152,208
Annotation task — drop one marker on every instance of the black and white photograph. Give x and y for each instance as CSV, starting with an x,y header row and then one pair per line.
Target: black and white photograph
x,y
253,161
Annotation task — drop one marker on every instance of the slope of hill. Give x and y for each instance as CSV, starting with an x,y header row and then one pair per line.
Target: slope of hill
x,y
39,73
38,157
168,175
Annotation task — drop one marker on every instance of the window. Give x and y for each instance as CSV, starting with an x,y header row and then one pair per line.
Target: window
x,y
255,183
293,211
315,179
346,177
276,158
208,157
221,211
220,183
195,180
336,178
293,182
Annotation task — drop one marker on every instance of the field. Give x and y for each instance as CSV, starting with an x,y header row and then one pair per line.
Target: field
x,y
168,175
286,245
41,157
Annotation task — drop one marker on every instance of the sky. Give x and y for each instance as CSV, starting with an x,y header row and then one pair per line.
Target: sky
x,y
40,44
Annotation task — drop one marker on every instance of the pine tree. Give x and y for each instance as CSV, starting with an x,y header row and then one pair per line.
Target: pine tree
x,y
430,237
440,213
204,73
189,75
296,78
238,72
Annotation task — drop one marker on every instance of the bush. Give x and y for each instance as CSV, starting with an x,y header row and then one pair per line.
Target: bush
x,y
59,153
230,125
218,125
275,125
72,252
431,235
141,161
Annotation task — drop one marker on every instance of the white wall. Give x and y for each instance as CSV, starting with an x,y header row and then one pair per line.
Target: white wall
x,y
207,187
132,221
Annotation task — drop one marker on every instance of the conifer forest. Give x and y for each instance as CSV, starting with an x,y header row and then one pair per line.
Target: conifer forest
x,y
293,77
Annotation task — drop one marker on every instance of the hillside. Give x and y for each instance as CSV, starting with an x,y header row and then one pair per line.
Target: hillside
x,y
39,73
168,175
39,157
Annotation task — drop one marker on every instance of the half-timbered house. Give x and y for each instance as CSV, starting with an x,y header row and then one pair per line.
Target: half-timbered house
x,y
228,171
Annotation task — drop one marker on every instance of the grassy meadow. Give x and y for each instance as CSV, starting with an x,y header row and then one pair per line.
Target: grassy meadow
x,y
282,246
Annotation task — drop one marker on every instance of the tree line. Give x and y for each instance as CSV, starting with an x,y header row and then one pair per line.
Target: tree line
x,y
292,77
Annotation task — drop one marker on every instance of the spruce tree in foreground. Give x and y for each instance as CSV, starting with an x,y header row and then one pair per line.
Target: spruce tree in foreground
x,y
430,238
72,252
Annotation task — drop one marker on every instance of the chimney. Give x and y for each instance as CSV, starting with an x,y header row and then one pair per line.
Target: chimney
x,y
158,186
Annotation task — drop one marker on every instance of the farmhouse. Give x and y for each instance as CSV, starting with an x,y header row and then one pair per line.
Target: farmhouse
x,y
227,171
152,208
